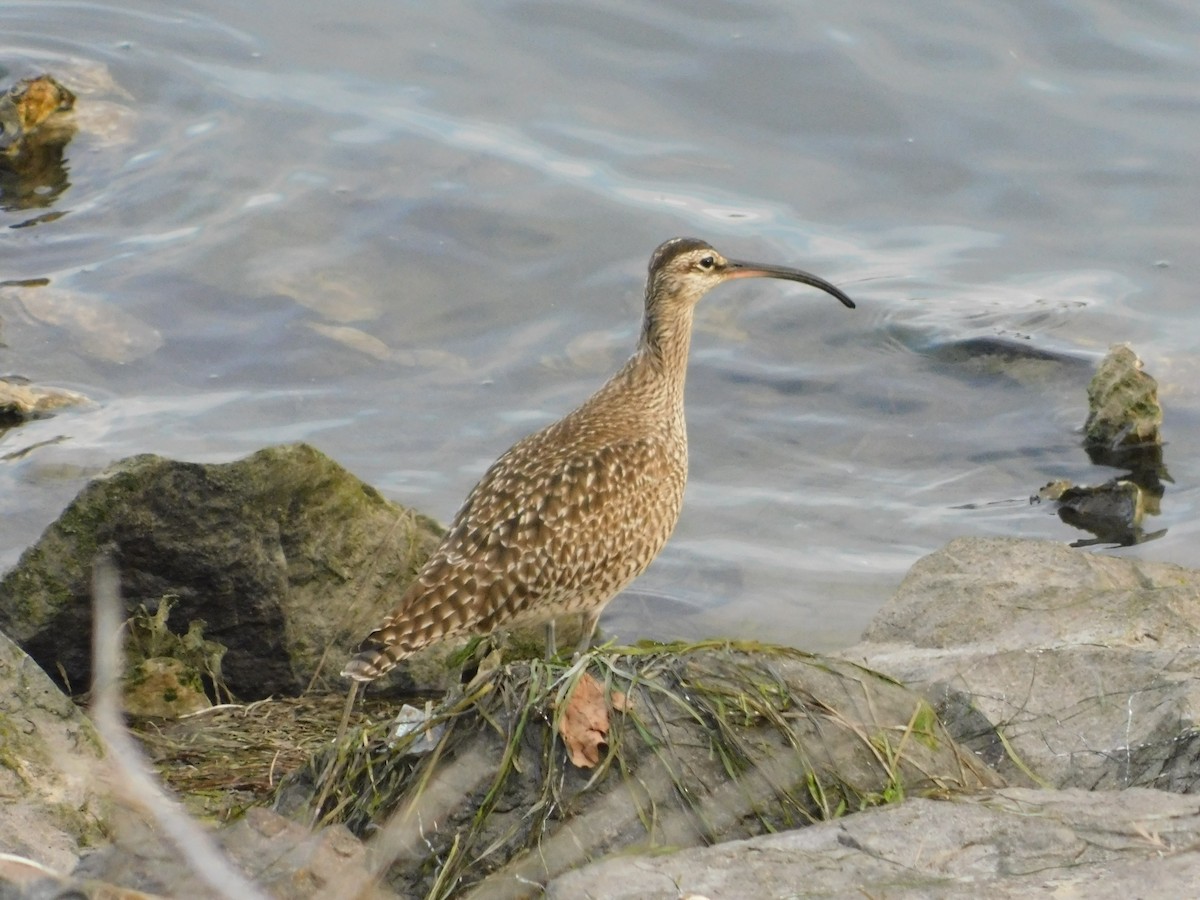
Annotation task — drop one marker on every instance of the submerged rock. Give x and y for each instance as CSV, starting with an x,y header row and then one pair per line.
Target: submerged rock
x,y
1002,356
97,327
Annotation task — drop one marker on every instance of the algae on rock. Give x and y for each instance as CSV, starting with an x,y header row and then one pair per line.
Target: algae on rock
x,y
287,557
1123,407
50,767
710,742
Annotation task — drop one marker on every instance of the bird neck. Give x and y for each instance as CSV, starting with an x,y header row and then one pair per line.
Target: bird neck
x,y
664,343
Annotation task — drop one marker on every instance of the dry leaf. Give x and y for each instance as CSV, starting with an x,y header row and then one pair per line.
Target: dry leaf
x,y
584,723
620,702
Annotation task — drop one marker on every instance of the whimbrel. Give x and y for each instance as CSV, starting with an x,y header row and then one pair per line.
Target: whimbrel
x,y
569,516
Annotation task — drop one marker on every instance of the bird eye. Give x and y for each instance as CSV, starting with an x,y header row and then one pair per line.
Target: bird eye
x,y
707,262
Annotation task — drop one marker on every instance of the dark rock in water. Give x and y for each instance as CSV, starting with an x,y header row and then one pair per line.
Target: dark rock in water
x,y
1001,349
1112,511
286,557
1006,357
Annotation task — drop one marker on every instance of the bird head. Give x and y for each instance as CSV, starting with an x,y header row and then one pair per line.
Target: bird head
x,y
685,269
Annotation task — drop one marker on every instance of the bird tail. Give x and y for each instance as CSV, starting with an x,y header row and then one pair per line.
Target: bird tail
x,y
441,603
414,625
372,661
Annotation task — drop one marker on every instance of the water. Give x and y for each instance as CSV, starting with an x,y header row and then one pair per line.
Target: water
x,y
411,233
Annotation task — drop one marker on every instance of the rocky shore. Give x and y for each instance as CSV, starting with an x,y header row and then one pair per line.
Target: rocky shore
x,y
1019,718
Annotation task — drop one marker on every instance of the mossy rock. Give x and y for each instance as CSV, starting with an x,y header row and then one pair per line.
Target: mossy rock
x,y
1123,407
709,742
51,767
287,558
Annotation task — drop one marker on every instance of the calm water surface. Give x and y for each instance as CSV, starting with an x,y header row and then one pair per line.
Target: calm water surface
x,y
411,233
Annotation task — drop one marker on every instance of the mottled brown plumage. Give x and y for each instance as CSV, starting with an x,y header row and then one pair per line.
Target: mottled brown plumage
x,y
569,516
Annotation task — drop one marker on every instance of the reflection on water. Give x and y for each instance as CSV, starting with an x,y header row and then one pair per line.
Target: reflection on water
x,y
412,234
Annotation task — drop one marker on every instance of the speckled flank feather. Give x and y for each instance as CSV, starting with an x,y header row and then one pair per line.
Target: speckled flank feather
x,y
570,515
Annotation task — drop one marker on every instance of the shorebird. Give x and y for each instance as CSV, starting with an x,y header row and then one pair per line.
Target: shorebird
x,y
570,515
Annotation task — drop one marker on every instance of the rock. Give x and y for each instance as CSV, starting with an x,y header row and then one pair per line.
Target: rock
x,y
21,401
1015,843
993,356
1122,431
98,327
292,862
164,688
63,836
1123,403
50,767
165,672
29,106
40,117
1076,667
287,860
288,559
1112,511
36,124
1124,416
23,879
708,742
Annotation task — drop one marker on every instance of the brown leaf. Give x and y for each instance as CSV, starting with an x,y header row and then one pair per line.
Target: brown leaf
x,y
584,723
620,702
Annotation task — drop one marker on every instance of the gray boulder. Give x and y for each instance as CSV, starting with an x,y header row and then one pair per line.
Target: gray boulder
x,y
1013,843
1075,669
50,767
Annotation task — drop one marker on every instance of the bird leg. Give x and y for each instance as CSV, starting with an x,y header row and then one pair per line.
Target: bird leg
x,y
587,629
551,645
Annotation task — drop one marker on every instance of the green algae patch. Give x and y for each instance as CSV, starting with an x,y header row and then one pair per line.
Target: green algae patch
x,y
287,559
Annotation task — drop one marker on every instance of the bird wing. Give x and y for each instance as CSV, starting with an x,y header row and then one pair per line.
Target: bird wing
x,y
544,527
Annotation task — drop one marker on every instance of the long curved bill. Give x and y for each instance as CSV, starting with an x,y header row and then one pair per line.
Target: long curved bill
x,y
739,269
